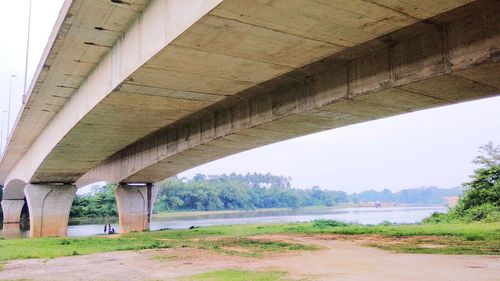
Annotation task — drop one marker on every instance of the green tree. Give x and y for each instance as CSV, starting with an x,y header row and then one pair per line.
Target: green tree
x,y
483,189
489,155
481,199
100,203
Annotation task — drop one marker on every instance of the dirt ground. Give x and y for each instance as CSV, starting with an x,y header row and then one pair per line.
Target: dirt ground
x,y
337,260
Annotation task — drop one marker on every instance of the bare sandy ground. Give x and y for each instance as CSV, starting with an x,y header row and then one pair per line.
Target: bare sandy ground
x,y
338,260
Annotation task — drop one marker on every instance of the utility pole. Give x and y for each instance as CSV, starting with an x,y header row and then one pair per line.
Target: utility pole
x,y
25,94
8,114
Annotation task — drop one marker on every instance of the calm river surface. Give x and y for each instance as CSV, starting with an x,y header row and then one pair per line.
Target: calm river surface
x,y
359,215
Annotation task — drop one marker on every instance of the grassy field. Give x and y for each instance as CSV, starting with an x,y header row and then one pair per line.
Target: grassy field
x,y
237,275
473,238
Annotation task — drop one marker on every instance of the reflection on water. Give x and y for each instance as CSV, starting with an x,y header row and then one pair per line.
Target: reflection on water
x,y
84,221
88,227
357,215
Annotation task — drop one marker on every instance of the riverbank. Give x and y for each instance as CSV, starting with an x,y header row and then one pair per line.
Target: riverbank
x,y
400,215
327,258
196,213
473,238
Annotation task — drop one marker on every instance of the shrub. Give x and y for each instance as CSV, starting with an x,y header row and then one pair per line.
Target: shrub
x,y
65,242
386,223
482,212
328,223
438,217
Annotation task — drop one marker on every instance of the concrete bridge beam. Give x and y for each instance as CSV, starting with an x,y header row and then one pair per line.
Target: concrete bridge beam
x,y
135,206
450,58
49,207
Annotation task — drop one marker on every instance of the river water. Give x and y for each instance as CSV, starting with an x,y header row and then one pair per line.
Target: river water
x,y
359,215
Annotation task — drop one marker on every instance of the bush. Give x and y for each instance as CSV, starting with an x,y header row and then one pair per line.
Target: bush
x,y
65,242
328,223
481,200
437,217
484,188
386,223
482,213
493,217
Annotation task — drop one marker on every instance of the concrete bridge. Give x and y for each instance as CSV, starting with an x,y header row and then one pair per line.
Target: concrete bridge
x,y
137,91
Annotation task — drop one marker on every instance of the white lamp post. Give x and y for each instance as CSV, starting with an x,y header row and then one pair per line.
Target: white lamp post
x,y
8,114
25,94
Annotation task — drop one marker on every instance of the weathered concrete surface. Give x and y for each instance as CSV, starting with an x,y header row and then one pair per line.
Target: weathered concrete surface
x,y
49,207
11,231
12,210
83,34
135,206
14,190
447,59
180,57
144,38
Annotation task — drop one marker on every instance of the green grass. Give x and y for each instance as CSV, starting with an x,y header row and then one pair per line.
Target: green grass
x,y
471,238
455,247
56,247
237,275
252,247
475,231
162,258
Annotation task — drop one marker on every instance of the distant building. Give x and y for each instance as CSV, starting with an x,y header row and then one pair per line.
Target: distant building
x,y
450,201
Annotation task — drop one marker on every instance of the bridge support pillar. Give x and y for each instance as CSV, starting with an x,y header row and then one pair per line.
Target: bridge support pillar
x,y
49,207
12,218
135,206
11,231
12,210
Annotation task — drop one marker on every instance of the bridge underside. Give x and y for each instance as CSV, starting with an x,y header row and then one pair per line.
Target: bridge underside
x,y
447,59
152,79
190,82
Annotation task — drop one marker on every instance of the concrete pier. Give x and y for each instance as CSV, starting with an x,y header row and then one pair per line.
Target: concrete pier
x,y
49,207
12,210
12,217
135,206
11,231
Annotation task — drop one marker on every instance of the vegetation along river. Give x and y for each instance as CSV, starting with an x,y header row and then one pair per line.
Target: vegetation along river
x,y
365,215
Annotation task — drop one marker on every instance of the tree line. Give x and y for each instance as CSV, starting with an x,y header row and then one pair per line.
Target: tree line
x,y
100,202
481,199
246,192
422,196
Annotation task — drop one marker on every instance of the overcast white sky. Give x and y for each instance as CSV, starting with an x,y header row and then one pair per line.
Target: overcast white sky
x,y
431,147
